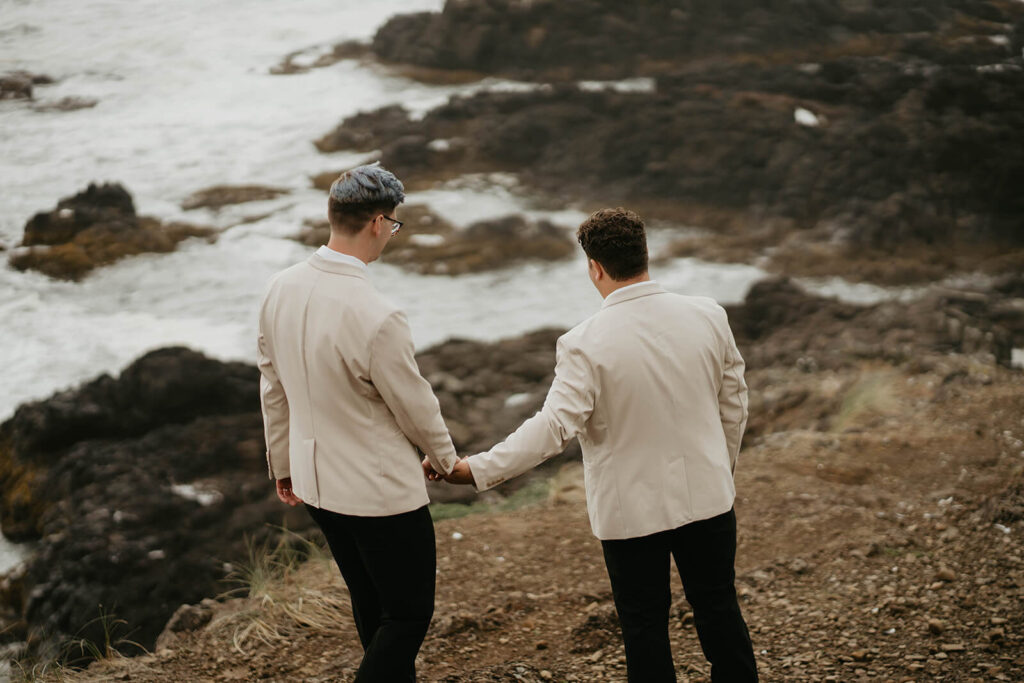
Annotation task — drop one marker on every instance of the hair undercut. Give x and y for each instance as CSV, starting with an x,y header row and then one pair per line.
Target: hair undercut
x,y
361,194
615,238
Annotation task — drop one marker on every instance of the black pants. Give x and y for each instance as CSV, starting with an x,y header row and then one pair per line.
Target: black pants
x,y
389,564
705,554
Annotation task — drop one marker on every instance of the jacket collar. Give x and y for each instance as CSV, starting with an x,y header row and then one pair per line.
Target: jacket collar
x,y
320,263
632,292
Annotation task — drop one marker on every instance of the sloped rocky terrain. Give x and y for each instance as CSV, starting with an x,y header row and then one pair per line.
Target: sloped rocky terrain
x,y
880,518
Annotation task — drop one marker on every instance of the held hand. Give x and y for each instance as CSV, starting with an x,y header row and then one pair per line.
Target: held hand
x,y
285,493
428,470
461,474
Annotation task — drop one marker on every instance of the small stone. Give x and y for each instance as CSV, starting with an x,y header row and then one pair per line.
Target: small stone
x,y
953,647
945,574
997,634
860,655
546,675
542,645
936,626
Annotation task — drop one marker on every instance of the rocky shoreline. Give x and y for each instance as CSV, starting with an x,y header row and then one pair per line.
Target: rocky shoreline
x,y
862,139
144,492
430,245
861,418
877,128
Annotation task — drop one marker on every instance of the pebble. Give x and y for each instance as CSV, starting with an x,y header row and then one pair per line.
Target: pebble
x,y
546,675
945,574
936,626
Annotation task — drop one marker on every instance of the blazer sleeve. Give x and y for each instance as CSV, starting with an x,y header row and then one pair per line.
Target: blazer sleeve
x,y
410,398
568,406
732,396
274,404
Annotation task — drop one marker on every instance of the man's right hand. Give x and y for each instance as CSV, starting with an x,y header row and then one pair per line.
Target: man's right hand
x,y
460,474
285,493
428,470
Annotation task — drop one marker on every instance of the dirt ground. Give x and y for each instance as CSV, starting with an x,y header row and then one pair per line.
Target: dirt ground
x,y
880,524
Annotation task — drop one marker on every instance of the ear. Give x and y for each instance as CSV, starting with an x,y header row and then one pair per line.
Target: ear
x,y
596,270
375,226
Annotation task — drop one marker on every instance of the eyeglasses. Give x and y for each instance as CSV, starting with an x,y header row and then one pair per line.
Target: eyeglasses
x,y
396,224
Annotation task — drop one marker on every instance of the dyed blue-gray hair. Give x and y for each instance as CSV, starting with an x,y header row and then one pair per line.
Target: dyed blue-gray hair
x,y
369,184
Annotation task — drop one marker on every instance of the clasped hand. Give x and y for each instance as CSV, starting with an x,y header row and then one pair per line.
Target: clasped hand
x,y
460,474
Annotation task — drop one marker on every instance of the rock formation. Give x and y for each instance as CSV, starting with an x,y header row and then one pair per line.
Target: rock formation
x,y
865,125
93,228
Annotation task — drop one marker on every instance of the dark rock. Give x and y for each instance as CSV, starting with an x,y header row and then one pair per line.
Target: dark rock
x,y
429,244
606,39
360,131
1008,507
900,160
919,112
16,86
95,227
67,104
773,305
220,196
350,49
109,479
97,204
598,629
185,618
779,324
485,245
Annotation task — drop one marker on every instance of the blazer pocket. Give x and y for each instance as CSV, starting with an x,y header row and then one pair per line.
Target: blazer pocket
x,y
307,464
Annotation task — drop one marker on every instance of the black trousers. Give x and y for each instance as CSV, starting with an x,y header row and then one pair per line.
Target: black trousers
x,y
389,564
705,555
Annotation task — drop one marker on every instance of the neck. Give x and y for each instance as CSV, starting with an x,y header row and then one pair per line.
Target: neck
x,y
607,286
353,246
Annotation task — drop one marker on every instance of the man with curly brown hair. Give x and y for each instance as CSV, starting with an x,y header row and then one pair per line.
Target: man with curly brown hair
x,y
652,385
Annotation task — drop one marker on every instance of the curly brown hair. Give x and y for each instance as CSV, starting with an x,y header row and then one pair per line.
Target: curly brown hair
x,y
615,238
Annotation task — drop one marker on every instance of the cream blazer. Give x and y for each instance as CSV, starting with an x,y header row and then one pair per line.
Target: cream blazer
x,y
344,405
653,387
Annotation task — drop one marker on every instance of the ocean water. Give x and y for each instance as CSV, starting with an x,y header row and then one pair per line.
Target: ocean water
x,y
186,101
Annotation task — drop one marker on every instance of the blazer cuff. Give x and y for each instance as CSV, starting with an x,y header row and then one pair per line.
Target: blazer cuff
x,y
279,474
482,479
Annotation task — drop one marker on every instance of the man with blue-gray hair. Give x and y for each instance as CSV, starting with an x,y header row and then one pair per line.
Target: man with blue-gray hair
x,y
346,412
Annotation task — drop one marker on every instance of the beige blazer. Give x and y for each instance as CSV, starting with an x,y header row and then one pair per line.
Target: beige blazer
x,y
653,387
344,405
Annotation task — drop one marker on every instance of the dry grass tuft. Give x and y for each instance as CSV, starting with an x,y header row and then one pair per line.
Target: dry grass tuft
x,y
290,587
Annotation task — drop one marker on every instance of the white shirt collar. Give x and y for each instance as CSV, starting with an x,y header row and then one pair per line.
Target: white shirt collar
x,y
635,284
338,257
631,292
